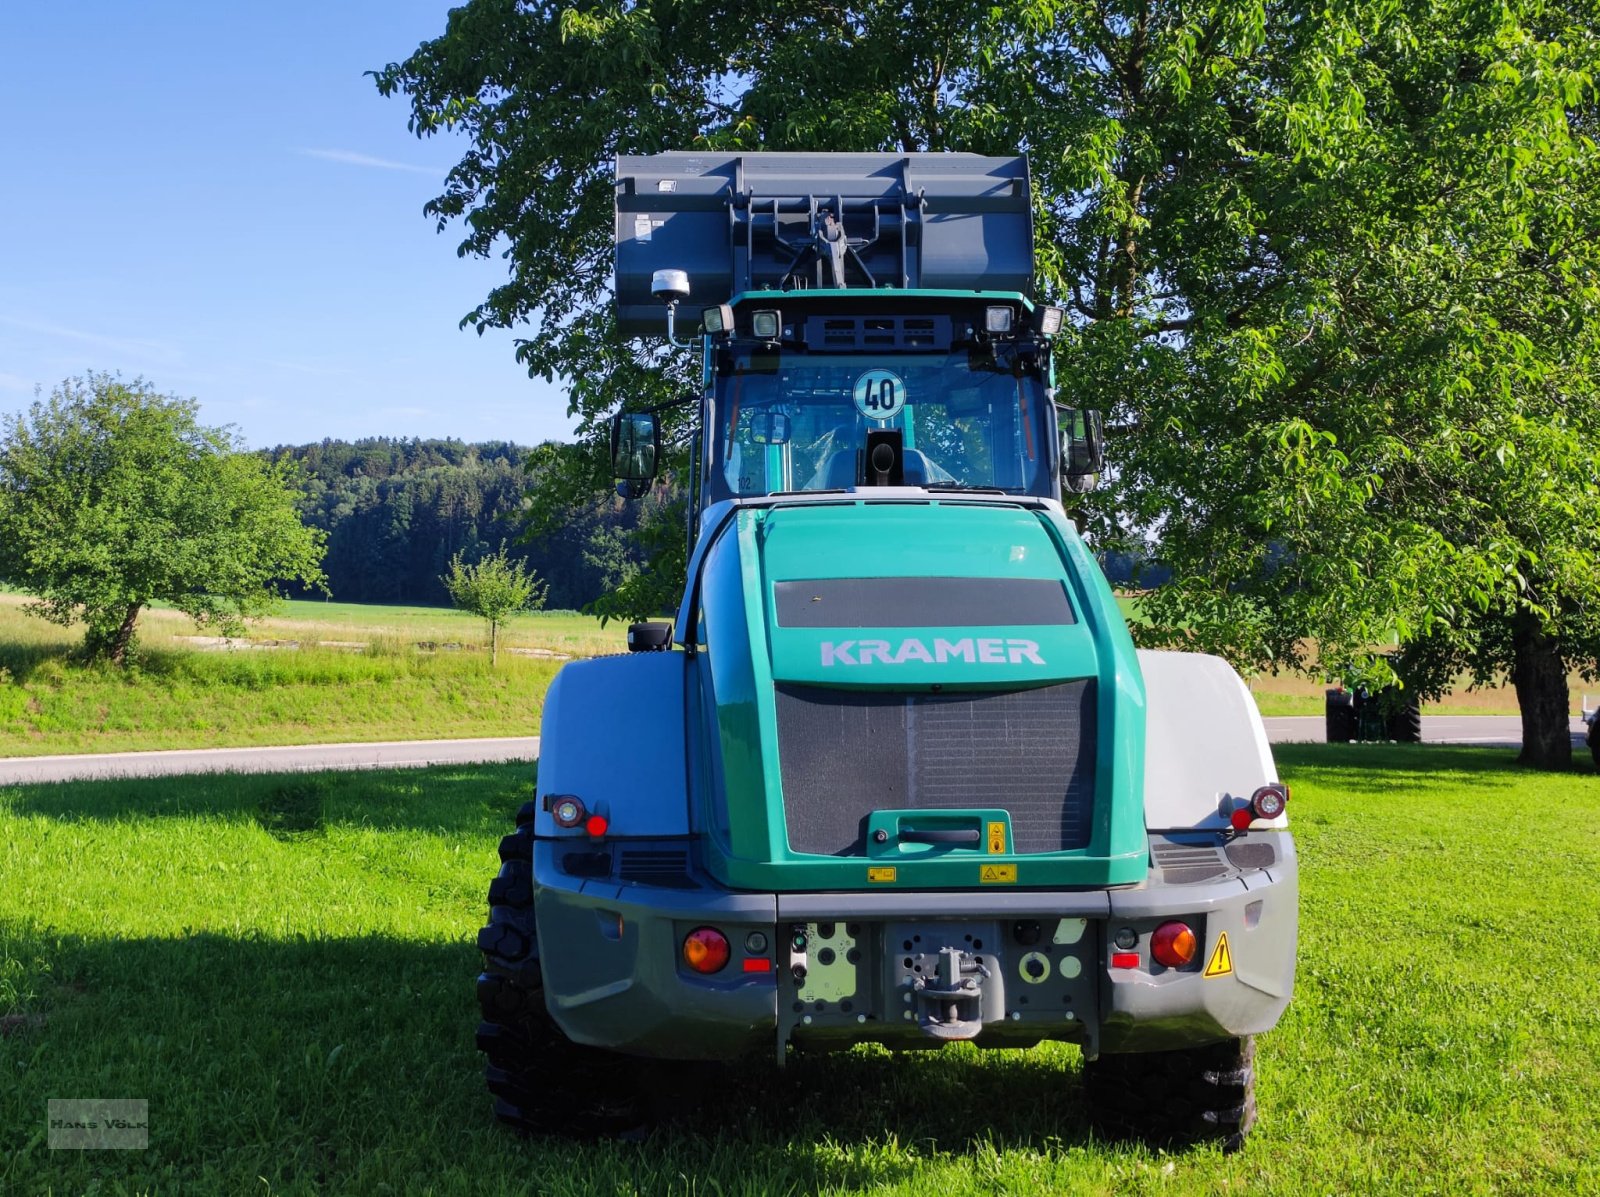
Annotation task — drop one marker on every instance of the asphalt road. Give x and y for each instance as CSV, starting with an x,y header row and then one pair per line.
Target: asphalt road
x,y
1489,731
1504,731
266,760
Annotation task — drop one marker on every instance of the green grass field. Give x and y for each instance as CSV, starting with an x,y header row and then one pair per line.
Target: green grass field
x,y
352,672
342,672
283,968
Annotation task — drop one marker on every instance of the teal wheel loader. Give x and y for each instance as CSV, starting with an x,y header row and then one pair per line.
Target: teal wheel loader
x,y
896,772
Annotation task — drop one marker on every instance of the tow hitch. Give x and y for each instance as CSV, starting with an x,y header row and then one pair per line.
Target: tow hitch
x,y
949,1005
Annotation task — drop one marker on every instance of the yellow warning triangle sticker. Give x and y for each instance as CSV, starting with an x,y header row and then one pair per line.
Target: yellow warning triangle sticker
x,y
1221,962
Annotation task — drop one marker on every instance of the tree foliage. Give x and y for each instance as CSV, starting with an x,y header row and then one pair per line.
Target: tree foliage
x,y
113,497
494,588
1332,271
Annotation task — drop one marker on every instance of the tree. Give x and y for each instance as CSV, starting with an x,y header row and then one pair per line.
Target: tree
x,y
113,497
1331,270
1387,431
494,589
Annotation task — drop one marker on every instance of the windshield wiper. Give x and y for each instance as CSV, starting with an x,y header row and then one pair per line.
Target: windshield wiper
x,y
958,488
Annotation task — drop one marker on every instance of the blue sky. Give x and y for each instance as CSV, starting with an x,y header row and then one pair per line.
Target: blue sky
x,y
213,196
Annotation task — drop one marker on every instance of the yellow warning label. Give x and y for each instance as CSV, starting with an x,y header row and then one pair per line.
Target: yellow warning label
x,y
997,839
1221,962
996,874
880,874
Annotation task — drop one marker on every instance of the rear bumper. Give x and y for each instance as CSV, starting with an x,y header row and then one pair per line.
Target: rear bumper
x,y
1042,961
1241,988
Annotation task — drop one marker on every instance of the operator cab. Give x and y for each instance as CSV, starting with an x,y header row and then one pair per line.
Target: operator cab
x,y
943,406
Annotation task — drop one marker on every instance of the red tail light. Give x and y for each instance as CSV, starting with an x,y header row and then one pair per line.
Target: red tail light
x,y
566,810
705,950
596,826
1173,944
1269,801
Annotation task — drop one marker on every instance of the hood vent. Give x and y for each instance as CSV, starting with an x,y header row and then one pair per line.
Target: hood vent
x,y
665,869
1186,864
878,332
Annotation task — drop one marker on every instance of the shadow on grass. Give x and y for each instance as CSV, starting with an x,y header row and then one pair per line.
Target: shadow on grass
x,y
474,800
22,661
294,809
26,661
939,1100
347,1063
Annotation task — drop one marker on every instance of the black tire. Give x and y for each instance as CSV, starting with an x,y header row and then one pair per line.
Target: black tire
x,y
1339,716
1192,1096
542,1082
1593,740
1404,726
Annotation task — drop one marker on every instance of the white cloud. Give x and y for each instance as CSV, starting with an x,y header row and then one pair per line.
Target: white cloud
x,y
351,158
131,346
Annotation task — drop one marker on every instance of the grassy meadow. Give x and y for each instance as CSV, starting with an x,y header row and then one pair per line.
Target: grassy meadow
x,y
283,968
330,672
1294,694
322,672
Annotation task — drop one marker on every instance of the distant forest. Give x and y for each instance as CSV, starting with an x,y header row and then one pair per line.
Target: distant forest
x,y
397,510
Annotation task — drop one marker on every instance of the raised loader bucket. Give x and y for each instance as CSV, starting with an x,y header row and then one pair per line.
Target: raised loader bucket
x,y
752,222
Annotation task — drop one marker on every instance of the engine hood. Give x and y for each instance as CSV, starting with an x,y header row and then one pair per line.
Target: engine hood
x,y
917,595
845,645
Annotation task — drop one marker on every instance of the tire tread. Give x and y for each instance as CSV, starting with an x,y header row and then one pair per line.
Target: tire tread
x,y
1189,1096
542,1082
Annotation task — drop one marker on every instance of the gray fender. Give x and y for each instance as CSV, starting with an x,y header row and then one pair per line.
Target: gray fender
x,y
1203,742
613,735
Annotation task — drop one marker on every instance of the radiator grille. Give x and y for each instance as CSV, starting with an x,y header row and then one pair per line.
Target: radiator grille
x,y
845,754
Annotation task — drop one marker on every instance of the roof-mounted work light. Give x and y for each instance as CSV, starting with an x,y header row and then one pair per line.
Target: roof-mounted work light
x,y
997,320
717,321
1049,321
766,324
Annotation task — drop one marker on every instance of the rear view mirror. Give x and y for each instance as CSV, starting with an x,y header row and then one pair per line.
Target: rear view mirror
x,y
769,428
635,445
1082,448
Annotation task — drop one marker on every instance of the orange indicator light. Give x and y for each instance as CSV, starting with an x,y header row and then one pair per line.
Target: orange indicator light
x,y
705,950
1173,944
